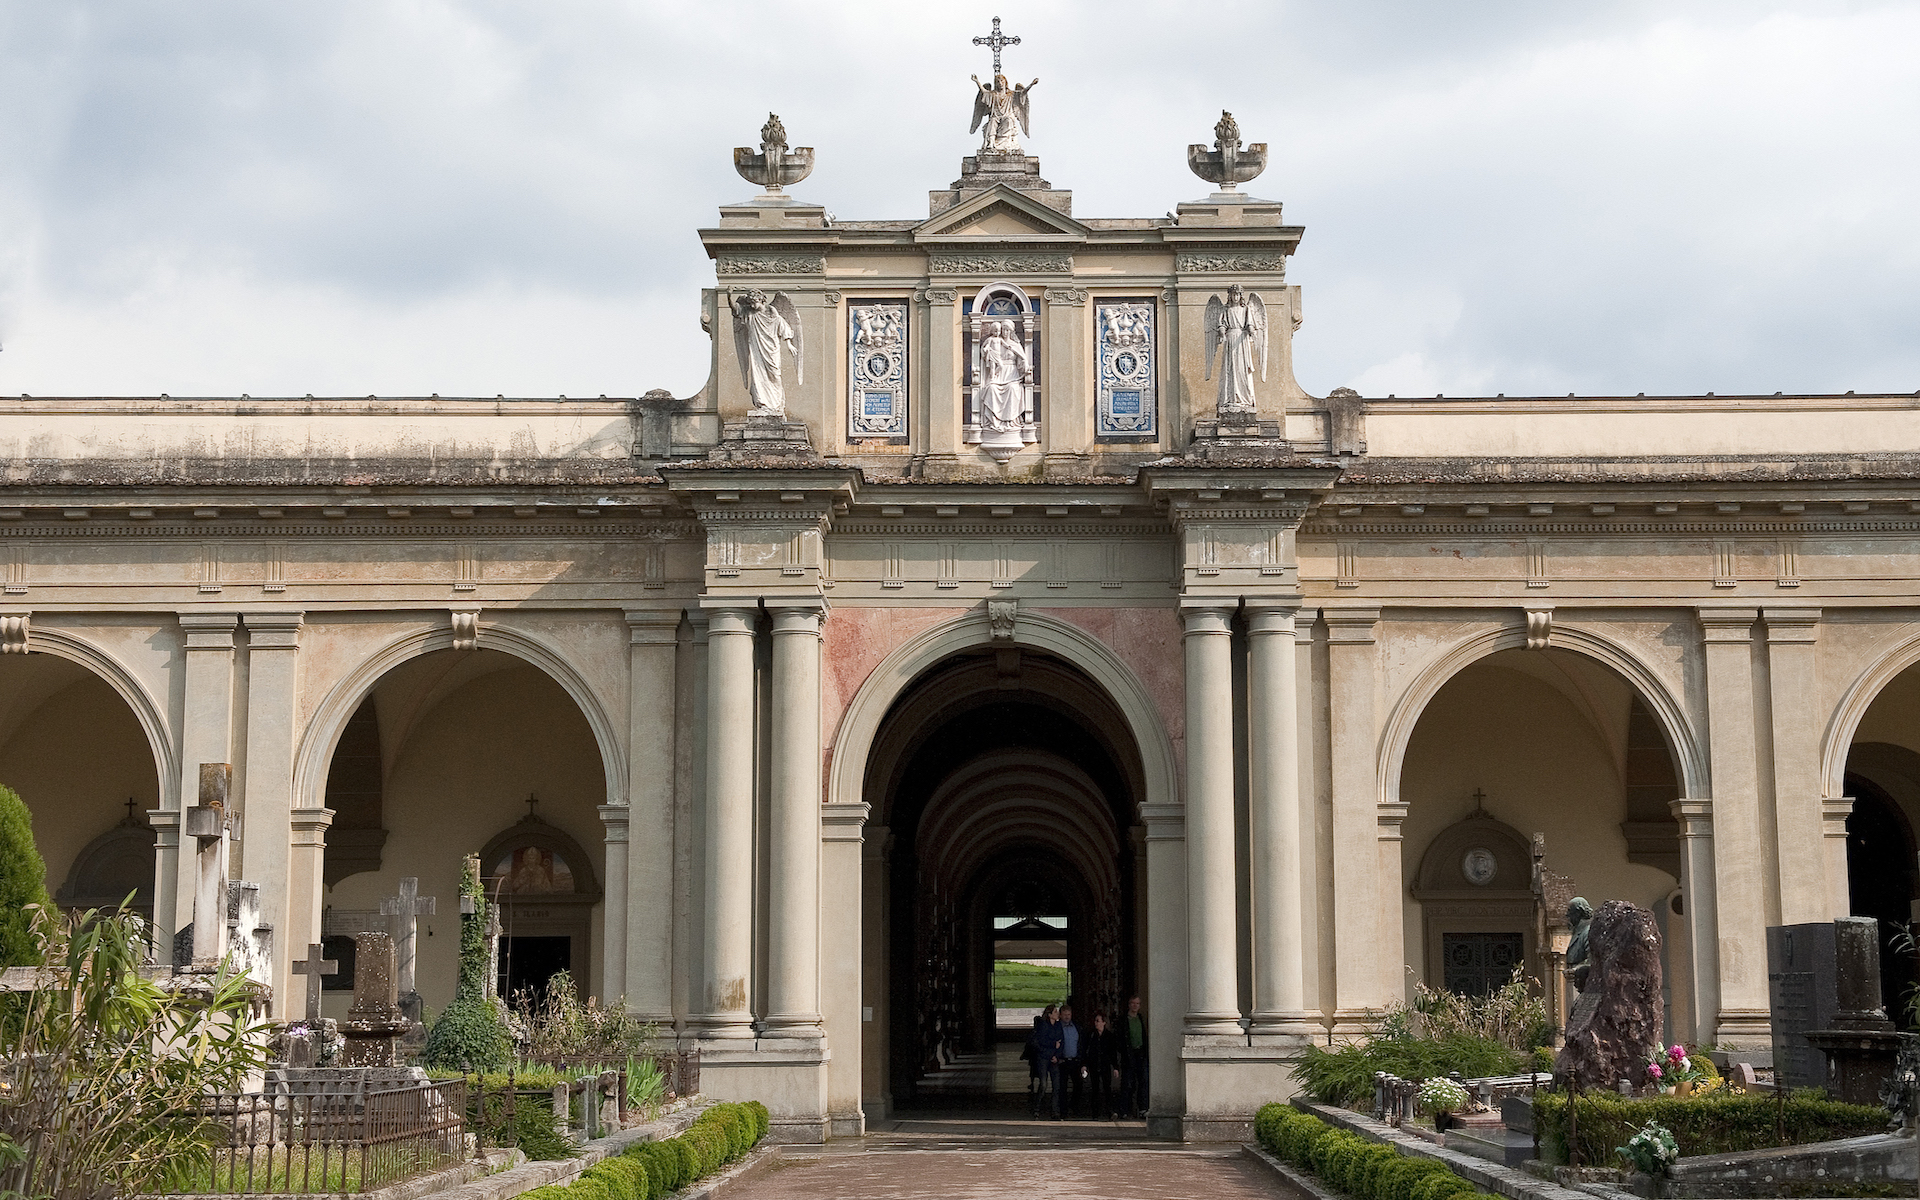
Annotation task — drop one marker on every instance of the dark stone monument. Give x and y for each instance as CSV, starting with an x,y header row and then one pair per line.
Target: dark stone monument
x,y
1860,1044
1801,975
1615,1025
374,1024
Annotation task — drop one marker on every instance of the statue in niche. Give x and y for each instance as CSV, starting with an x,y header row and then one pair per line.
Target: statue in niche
x,y
761,325
1002,391
1240,326
1004,110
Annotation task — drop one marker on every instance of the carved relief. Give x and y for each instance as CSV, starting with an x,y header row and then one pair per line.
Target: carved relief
x,y
466,628
1001,615
771,264
1209,260
998,264
1065,295
937,296
14,628
1127,365
877,369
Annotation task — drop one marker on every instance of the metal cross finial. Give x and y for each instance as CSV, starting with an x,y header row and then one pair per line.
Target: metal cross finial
x,y
997,41
131,805
1479,800
531,801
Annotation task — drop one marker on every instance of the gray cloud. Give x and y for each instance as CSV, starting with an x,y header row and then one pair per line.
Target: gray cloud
x,y
485,197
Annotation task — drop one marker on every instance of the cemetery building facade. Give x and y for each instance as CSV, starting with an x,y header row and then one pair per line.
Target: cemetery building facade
x,y
1000,572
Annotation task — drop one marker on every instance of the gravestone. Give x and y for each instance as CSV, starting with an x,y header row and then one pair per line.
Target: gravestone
x,y
207,824
303,1051
375,1023
403,910
1801,971
1860,1044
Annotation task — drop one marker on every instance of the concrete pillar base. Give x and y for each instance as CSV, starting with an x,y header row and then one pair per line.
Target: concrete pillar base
x,y
1744,1029
786,1075
1228,1080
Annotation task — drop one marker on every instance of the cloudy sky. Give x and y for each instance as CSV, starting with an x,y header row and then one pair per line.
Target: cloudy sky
x,y
412,196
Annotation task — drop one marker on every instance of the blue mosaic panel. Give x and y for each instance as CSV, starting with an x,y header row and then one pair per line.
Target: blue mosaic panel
x,y
877,369
1126,353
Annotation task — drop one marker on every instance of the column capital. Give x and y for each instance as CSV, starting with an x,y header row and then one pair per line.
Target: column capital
x,y
1695,817
653,626
729,620
614,817
1206,619
1271,618
843,822
1165,822
1351,625
797,619
209,630
698,621
1727,624
1391,816
1834,811
273,630
1787,626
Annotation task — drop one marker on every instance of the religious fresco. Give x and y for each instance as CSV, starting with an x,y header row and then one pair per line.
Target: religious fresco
x,y
531,871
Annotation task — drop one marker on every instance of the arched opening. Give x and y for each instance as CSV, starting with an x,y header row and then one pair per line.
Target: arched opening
x,y
1883,777
453,753
1524,742
1010,784
75,751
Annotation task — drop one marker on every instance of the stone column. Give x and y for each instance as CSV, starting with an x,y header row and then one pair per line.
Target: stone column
x,y
690,830
728,908
876,1096
1740,834
793,874
652,749
1833,827
1697,900
206,735
1167,957
940,378
1274,825
841,958
1797,833
1369,958
613,930
267,833
1213,993
306,878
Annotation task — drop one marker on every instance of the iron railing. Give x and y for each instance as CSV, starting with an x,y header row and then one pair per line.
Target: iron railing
x,y
348,1142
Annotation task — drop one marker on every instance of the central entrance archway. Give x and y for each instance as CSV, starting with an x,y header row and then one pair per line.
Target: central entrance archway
x,y
1011,783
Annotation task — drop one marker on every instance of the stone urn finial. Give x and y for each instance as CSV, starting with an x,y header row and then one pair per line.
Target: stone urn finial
x,y
1227,165
774,167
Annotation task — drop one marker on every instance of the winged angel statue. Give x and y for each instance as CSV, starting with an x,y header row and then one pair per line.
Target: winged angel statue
x,y
1240,325
760,324
1003,109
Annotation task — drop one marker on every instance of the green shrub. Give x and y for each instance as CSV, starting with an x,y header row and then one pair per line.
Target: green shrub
x,y
1344,1075
709,1148
762,1119
23,882
1364,1178
689,1159
589,1187
626,1177
550,1192
662,1163
1441,1186
1713,1124
1398,1184
724,1124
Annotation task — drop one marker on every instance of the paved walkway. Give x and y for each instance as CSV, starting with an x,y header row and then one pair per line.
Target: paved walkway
x,y
962,1156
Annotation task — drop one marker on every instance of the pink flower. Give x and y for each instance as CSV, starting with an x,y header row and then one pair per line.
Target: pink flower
x,y
1654,1070
1676,1053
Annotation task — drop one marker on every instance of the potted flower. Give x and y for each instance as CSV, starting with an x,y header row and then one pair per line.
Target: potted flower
x,y
1651,1151
1442,1097
1672,1072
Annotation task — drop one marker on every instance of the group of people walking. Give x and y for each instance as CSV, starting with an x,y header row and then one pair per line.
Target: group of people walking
x,y
1075,1065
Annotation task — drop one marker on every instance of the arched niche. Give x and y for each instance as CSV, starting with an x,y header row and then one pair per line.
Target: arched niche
x,y
1475,888
118,863
545,887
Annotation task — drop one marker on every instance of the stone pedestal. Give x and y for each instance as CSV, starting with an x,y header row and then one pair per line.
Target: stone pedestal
x,y
1861,1045
1239,438
788,1075
374,1024
764,435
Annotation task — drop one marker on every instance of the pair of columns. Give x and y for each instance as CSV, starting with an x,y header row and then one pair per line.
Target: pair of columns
x,y
1275,824
793,831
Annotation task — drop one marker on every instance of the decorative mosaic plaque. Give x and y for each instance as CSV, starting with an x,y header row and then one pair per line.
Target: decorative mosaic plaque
x,y
877,369
1126,407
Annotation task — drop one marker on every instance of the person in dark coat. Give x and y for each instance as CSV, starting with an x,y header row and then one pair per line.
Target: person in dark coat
x,y
1050,1048
1073,1067
1134,1085
1102,1056
1036,1065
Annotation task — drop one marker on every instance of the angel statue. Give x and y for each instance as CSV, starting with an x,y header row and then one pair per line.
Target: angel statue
x,y
760,324
1241,326
1003,109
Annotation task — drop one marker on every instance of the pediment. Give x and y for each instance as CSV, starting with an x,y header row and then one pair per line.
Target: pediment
x,y
1001,213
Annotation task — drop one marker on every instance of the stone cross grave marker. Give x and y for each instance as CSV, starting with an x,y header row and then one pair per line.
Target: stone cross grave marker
x,y
404,909
313,966
206,823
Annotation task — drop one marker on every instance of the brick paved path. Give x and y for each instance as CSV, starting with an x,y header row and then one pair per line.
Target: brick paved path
x,y
962,1158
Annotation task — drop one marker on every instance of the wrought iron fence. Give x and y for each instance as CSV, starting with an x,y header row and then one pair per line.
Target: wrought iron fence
x,y
346,1142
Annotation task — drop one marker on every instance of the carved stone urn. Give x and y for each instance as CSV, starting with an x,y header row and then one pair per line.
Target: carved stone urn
x,y
774,167
1228,164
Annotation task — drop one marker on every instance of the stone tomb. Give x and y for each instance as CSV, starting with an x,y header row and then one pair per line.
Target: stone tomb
x,y
1801,983
374,1024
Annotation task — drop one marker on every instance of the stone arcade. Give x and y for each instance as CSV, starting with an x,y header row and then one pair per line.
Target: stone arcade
x,y
1001,573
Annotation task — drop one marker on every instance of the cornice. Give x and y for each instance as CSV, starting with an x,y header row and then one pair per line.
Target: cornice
x,y
949,527
389,531
1484,529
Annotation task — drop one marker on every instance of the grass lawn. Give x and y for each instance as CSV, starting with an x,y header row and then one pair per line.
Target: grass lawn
x,y
1023,985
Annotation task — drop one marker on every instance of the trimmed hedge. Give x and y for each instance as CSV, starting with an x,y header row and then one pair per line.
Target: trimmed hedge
x,y
651,1170
1352,1164
1713,1124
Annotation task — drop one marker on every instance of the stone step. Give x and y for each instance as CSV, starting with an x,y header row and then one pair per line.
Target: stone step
x,y
1495,1143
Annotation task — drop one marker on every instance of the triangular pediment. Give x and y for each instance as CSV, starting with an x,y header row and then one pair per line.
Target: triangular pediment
x,y
1000,213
